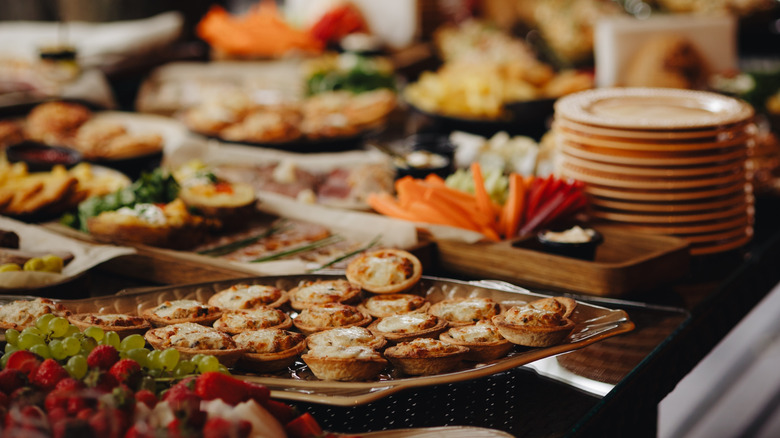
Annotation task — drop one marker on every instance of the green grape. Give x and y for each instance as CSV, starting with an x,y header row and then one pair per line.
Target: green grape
x,y
95,333
153,360
58,327
43,322
155,372
11,336
71,345
139,355
183,369
57,349
4,359
112,339
131,342
223,369
208,363
11,348
197,358
27,340
77,366
88,344
148,383
169,358
41,350
32,331
72,330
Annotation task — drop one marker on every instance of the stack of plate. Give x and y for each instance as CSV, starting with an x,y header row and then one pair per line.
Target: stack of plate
x,y
662,161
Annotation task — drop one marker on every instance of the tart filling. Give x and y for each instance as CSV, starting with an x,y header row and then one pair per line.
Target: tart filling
x,y
483,340
465,310
385,271
270,349
191,339
405,327
172,312
245,296
237,321
326,316
381,306
345,337
532,327
121,323
23,313
344,363
312,293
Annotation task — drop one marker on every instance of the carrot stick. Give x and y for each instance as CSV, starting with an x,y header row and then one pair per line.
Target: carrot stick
x,y
385,204
514,205
484,203
434,179
427,213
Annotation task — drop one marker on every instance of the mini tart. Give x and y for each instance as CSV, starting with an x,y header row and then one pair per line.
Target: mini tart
x,y
191,339
465,311
269,349
425,356
237,321
344,363
315,293
524,325
484,341
248,296
405,327
380,306
563,306
346,337
328,316
23,313
179,311
385,271
121,323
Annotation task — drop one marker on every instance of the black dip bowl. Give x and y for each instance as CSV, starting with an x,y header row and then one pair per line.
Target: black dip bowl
x,y
577,250
41,157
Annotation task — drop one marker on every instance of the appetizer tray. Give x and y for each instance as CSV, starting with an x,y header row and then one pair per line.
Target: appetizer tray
x,y
593,323
626,262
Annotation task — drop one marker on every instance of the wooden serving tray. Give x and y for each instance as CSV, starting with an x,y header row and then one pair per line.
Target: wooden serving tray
x,y
626,262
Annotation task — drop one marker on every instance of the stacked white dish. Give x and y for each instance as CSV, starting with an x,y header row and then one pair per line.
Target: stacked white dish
x,y
662,161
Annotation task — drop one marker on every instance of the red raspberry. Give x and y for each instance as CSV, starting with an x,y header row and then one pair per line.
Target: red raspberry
x,y
126,371
23,361
214,384
48,375
11,380
221,428
146,397
103,357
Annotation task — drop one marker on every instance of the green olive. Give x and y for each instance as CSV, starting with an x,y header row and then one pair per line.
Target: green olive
x,y
34,264
52,263
10,267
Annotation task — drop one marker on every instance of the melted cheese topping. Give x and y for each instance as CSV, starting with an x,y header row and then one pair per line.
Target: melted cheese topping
x,y
243,296
408,323
330,315
196,336
385,268
548,304
483,332
352,352
342,337
260,318
114,319
394,303
530,317
181,309
422,347
23,313
467,310
268,341
321,292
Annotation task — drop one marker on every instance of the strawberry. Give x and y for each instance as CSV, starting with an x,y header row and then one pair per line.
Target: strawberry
x,y
140,431
213,384
23,361
12,379
48,374
56,399
103,357
56,415
258,393
281,411
72,428
85,414
100,380
126,371
146,397
222,428
70,384
185,404
26,396
305,426
109,423
4,402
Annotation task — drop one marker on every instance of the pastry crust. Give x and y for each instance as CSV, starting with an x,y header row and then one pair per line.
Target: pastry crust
x,y
123,324
484,341
524,325
327,316
385,271
346,337
314,293
191,311
563,306
465,311
219,200
248,296
238,321
424,356
345,363
275,355
161,338
405,327
23,313
380,306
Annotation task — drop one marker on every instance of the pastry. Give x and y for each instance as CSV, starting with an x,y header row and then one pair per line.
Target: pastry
x,y
23,313
405,327
245,296
385,271
191,339
465,311
344,363
531,327
326,316
237,321
312,293
483,340
563,306
179,311
346,337
269,350
121,323
380,306
425,356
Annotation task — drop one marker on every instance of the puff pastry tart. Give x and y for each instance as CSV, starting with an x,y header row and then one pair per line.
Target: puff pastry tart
x,y
380,306
328,316
269,350
237,321
345,337
405,327
191,339
121,323
484,341
563,306
465,311
525,325
344,363
385,271
178,311
425,356
314,293
23,313
248,296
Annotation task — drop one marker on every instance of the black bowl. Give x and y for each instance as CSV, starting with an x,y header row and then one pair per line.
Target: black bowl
x,y
438,148
42,157
577,250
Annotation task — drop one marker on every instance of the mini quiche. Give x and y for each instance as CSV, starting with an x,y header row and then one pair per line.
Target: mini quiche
x,y
178,311
191,339
269,350
23,313
237,321
314,293
563,306
380,306
385,271
525,325
345,337
248,296
425,356
483,340
408,326
465,311
328,316
121,323
351,363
